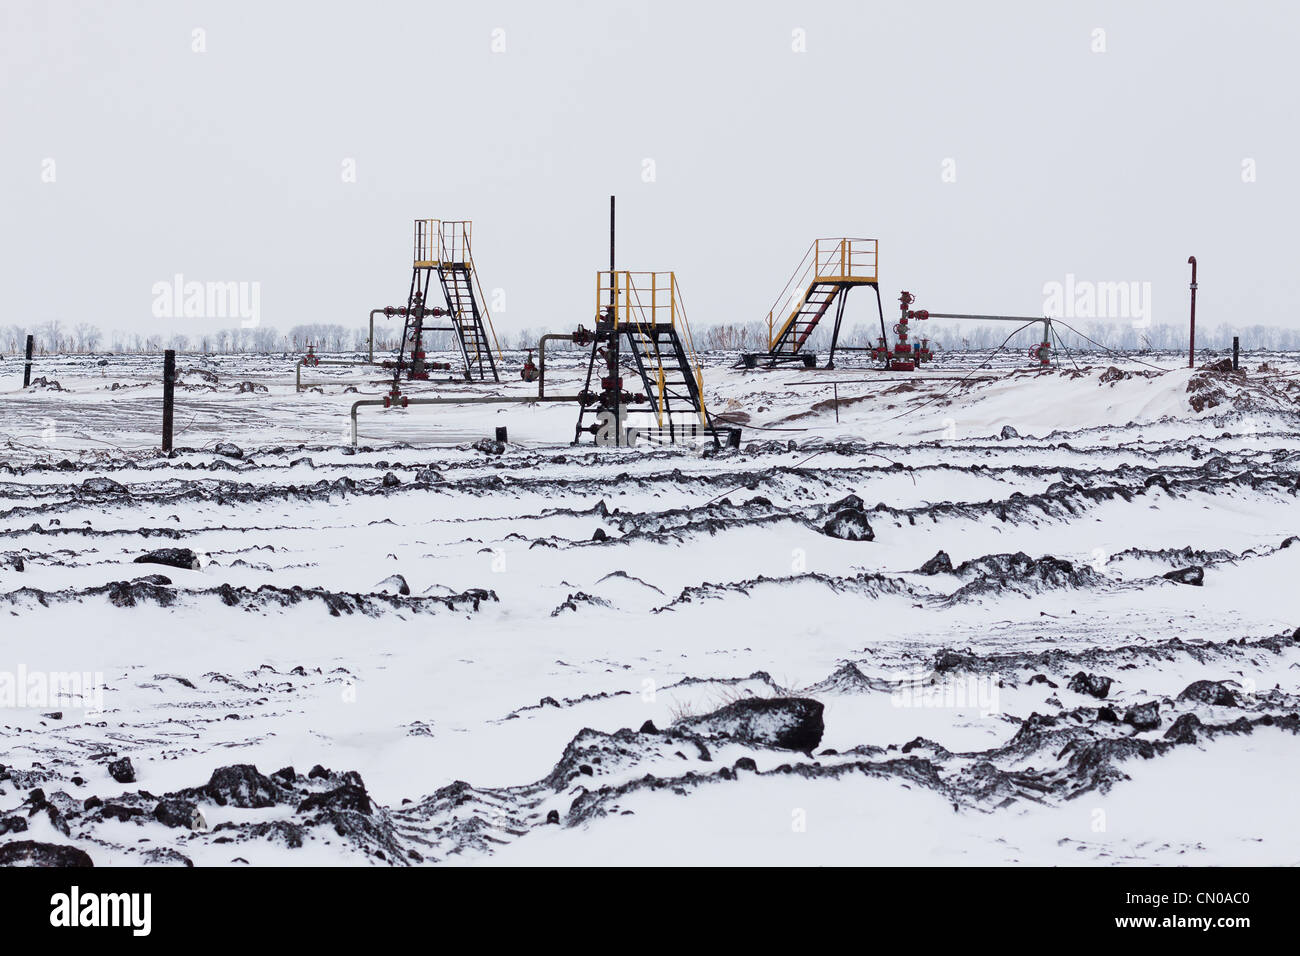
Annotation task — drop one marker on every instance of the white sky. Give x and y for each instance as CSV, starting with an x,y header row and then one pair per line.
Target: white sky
x,y
227,164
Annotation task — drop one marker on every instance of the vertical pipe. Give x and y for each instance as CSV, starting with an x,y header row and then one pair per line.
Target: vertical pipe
x,y
27,369
613,340
1236,353
370,354
1191,348
169,391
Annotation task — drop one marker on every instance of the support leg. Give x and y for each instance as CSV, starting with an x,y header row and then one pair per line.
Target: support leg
x,y
835,332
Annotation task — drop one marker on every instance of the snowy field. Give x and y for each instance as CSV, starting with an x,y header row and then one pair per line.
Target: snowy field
x,y
967,615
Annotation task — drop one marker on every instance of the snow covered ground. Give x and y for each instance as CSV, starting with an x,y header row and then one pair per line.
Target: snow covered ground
x,y
916,619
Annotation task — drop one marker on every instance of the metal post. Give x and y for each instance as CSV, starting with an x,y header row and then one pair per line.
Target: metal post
x,y
613,339
1191,348
370,354
27,369
612,367
169,391
841,295
1236,353
541,358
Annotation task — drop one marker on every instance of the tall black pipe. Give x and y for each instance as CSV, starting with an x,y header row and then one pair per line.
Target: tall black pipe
x,y
169,394
611,354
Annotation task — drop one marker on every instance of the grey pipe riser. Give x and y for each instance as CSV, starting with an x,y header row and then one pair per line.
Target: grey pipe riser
x,y
541,359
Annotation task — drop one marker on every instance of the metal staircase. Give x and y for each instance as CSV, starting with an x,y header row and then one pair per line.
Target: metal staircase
x,y
458,289
823,278
443,247
804,319
642,330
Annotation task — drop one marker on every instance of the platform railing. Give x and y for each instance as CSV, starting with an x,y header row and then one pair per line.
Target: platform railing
x,y
442,241
643,299
445,242
454,241
827,260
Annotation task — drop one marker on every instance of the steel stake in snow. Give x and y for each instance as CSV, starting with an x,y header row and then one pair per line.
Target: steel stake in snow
x,y
27,369
169,391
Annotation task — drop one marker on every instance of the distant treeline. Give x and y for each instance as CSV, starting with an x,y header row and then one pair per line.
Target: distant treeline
x,y
943,334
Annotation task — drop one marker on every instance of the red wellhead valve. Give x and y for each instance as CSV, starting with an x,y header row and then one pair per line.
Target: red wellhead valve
x,y
529,372
395,398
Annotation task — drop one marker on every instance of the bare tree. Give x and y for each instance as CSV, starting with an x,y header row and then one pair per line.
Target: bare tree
x,y
51,335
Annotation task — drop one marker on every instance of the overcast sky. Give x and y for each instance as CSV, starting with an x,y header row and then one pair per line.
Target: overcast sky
x,y
1108,155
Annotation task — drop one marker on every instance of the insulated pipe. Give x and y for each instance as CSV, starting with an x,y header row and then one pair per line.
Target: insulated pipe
x,y
484,400
298,370
1047,322
541,358
371,341
370,351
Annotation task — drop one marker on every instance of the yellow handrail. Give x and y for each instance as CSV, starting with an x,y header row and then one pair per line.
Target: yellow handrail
x,y
843,259
446,241
482,299
632,291
426,240
630,309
